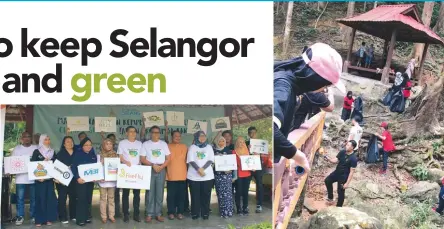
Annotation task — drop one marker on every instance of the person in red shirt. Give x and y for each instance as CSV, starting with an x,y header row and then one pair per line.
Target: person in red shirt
x,y
244,178
387,145
407,91
347,107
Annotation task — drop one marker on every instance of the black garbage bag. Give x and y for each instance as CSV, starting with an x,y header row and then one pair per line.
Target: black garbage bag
x,y
372,151
398,102
358,109
388,98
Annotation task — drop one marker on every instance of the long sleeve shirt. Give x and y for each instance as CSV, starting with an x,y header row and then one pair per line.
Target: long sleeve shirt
x,y
64,157
82,158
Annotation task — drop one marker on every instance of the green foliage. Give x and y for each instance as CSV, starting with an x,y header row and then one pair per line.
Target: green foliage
x,y
420,172
13,131
263,225
436,146
264,130
420,215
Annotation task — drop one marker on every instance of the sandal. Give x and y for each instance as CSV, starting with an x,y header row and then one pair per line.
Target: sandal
x,y
180,216
104,221
48,223
38,225
112,220
170,216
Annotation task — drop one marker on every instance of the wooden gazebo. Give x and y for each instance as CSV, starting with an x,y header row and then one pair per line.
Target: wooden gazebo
x,y
391,23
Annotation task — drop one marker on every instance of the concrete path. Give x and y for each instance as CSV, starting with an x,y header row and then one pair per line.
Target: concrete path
x,y
215,220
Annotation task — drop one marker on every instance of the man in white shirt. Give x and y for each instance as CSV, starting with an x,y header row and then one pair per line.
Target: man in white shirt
x,y
155,153
355,132
21,180
129,151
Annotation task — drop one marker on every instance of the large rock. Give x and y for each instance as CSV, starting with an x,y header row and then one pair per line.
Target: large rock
x,y
422,191
435,175
345,217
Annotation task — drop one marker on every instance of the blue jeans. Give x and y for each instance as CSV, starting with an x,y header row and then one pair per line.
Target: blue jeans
x,y
441,201
20,190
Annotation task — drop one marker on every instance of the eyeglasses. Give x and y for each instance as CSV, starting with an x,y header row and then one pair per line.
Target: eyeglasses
x,y
155,132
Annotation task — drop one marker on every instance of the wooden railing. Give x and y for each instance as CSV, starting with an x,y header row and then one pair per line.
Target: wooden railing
x,y
287,188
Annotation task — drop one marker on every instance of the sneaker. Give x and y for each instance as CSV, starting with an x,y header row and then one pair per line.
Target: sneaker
x,y
246,211
19,221
65,222
383,172
330,201
258,209
74,220
240,213
32,220
126,218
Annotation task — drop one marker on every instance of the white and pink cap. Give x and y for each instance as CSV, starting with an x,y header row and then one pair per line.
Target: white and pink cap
x,y
327,63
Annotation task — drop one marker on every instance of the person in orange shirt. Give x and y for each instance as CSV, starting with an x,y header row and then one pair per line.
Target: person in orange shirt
x,y
244,178
176,175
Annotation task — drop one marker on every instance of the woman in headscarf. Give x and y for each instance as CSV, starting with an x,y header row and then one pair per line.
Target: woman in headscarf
x,y
200,175
410,68
244,177
107,188
65,155
46,200
223,180
84,155
347,107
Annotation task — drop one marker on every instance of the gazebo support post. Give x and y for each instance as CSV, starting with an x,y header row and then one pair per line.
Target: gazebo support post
x,y
386,70
384,53
350,51
421,66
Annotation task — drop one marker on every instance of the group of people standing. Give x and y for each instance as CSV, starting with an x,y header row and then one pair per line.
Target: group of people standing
x,y
181,166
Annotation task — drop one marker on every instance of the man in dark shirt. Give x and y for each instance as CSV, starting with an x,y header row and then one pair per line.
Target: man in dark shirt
x,y
311,104
347,162
228,135
319,67
258,174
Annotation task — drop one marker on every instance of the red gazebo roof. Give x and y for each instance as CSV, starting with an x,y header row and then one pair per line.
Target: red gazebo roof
x,y
381,21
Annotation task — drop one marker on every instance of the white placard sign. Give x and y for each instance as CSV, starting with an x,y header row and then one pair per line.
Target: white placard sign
x,y
78,123
105,124
252,162
134,177
110,165
61,172
225,162
194,126
220,124
38,170
259,146
91,172
154,118
175,118
16,164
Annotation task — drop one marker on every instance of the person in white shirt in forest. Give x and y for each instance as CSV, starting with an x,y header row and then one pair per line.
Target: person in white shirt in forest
x,y
21,180
155,153
129,151
355,132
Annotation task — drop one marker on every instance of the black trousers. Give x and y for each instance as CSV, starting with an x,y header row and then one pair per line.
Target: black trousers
x,y
6,210
187,195
200,197
341,179
258,177
242,188
176,197
84,200
345,115
117,202
125,201
63,192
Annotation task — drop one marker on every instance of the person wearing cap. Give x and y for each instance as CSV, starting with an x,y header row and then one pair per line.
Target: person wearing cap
x,y
319,67
387,145
440,207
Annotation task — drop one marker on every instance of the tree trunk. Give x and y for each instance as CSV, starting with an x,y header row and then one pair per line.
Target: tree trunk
x,y
425,110
277,9
439,27
426,18
321,5
375,5
347,30
287,30
365,6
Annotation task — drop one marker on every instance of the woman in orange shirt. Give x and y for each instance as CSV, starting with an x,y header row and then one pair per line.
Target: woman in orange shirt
x,y
244,178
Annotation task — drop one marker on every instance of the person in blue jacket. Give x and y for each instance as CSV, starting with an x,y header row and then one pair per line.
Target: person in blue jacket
x,y
319,67
84,190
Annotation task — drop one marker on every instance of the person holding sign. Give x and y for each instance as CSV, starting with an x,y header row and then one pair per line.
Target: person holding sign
x,y
244,178
22,181
82,135
155,153
258,174
46,200
223,180
200,174
112,137
65,155
129,152
84,189
107,188
176,175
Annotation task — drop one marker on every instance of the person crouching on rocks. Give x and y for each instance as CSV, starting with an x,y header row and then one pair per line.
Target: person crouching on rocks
x,y
343,174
